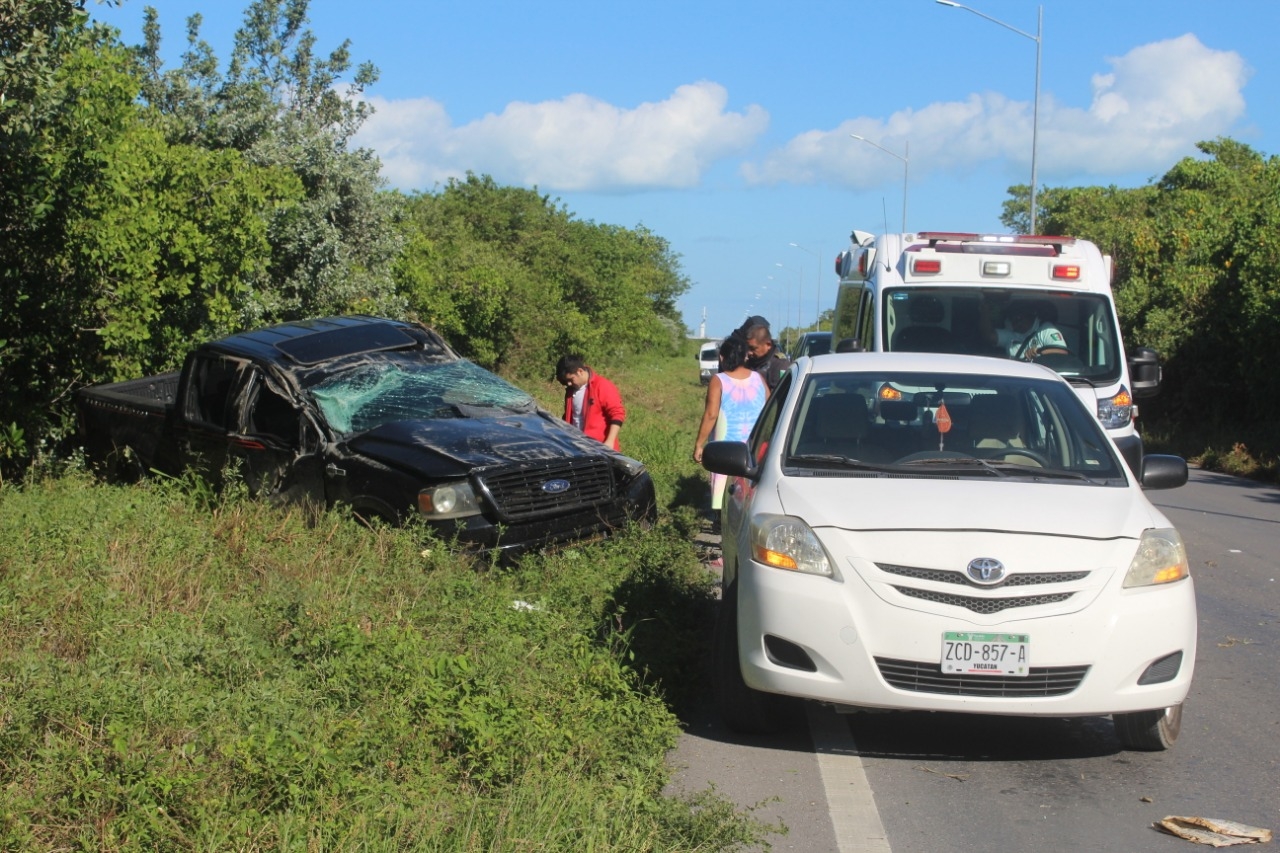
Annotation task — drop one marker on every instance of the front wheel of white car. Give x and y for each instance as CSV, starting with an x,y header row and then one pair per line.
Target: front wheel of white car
x,y
1149,731
743,709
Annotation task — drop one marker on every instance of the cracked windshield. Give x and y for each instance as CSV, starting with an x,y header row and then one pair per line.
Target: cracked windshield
x,y
361,400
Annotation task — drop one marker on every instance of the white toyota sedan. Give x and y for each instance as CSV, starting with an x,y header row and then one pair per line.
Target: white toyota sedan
x,y
948,533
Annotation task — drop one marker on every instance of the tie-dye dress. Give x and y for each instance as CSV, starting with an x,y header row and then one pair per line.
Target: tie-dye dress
x,y
740,403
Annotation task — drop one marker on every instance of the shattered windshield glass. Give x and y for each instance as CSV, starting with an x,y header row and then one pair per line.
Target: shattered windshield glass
x,y
371,395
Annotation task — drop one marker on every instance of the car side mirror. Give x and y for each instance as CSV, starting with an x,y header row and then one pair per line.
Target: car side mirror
x,y
1160,471
731,458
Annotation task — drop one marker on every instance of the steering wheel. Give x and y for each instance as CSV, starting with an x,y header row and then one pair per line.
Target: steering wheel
x,y
1026,342
1003,454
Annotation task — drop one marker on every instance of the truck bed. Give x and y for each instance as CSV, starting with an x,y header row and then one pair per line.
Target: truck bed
x,y
129,415
154,393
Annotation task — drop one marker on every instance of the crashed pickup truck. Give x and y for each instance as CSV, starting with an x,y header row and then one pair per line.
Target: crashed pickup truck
x,y
376,415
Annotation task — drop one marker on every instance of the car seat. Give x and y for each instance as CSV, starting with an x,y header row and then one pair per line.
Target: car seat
x,y
924,334
837,424
995,422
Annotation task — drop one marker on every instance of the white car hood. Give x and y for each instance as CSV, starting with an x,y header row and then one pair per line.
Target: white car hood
x,y
886,504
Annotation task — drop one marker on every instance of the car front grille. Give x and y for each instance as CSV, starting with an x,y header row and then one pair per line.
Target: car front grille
x,y
1037,588
983,605
929,678
953,577
537,489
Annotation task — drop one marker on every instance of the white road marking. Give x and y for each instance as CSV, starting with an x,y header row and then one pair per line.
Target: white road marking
x,y
854,815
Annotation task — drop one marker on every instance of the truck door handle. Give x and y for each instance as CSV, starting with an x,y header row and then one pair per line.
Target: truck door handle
x,y
334,471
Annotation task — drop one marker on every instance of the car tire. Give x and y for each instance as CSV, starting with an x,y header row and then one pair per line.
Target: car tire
x,y
1149,731
742,708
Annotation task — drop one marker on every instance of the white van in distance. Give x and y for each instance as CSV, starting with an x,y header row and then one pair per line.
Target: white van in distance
x,y
1024,297
708,361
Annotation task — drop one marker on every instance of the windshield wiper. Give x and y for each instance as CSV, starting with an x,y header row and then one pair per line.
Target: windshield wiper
x,y
1007,469
834,459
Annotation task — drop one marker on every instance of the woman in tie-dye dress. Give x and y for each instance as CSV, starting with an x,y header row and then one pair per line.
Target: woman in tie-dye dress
x,y
734,400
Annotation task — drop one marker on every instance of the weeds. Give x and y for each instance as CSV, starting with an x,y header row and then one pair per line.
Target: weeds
x,y
183,668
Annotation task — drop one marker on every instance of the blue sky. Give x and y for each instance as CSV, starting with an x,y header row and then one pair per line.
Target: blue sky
x,y
725,127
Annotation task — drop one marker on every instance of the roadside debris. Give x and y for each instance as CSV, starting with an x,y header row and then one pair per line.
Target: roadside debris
x,y
1213,831
959,777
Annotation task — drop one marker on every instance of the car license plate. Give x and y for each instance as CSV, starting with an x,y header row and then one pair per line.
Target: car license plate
x,y
967,653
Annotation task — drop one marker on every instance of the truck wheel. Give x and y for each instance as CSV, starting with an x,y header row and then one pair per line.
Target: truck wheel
x,y
1149,731
742,708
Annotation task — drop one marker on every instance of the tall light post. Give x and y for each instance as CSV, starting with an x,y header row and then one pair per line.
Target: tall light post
x,y
799,291
817,299
1038,38
786,306
906,167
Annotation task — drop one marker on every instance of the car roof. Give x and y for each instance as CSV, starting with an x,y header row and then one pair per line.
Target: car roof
x,y
308,342
857,362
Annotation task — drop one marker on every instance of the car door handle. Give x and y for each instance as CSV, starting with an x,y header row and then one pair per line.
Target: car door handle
x,y
334,471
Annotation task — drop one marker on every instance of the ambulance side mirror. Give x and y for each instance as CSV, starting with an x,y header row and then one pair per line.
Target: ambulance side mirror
x,y
1144,372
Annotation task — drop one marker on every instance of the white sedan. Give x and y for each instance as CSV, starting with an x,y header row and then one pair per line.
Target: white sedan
x,y
948,533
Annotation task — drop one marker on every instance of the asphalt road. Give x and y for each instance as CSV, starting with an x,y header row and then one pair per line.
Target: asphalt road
x,y
920,783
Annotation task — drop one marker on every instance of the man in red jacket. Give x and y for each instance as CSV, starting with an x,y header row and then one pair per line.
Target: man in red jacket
x,y
591,402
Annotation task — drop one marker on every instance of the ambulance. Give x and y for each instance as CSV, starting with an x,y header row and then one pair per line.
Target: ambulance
x,y
1027,297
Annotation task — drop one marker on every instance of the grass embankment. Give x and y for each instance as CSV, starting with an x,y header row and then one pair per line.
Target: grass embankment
x,y
180,671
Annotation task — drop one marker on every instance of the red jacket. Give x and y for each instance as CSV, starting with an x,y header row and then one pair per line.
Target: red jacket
x,y
601,406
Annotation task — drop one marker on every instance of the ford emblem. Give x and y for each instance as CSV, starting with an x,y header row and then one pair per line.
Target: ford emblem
x,y
985,570
555,487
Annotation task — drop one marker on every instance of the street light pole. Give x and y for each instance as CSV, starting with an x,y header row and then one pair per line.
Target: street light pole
x,y
817,299
799,292
1038,38
905,157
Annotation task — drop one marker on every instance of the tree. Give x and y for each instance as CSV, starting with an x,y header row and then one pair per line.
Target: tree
x,y
118,248
278,105
514,280
1195,263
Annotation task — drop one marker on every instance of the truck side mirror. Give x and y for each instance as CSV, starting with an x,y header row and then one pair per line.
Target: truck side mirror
x,y
1145,372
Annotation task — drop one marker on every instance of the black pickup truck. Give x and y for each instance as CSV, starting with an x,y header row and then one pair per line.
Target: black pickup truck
x,y
377,415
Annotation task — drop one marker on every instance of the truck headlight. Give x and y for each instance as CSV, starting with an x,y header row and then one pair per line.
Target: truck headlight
x,y
454,500
786,542
1117,411
1161,558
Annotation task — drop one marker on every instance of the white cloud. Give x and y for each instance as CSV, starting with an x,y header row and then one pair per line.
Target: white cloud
x,y
576,143
1155,104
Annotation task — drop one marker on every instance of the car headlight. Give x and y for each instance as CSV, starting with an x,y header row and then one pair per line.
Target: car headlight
x,y
1161,558
786,542
453,500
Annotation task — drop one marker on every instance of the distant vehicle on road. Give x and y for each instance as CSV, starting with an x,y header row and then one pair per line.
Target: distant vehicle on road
x,y
708,361
948,533
811,344
376,415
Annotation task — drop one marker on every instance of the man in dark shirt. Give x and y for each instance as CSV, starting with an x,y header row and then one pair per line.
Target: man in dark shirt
x,y
763,355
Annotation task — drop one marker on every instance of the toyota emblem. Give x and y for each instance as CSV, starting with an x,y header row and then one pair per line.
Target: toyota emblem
x,y
985,570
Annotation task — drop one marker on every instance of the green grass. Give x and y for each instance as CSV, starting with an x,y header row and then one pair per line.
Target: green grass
x,y
183,671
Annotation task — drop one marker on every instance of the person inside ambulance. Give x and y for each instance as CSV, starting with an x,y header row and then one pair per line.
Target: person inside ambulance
x,y
1028,332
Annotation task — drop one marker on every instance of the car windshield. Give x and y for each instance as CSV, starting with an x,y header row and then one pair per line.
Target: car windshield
x,y
948,424
1017,324
380,392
